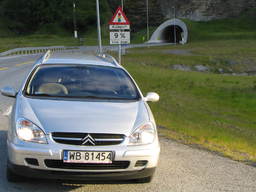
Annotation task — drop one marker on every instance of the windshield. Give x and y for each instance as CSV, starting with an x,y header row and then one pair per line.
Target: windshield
x,y
76,81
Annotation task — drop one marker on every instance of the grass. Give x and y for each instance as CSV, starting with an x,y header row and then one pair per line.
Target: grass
x,y
231,55
10,41
65,39
212,110
35,41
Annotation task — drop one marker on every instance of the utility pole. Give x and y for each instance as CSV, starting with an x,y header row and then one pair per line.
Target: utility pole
x,y
120,45
74,18
174,27
98,25
147,19
122,4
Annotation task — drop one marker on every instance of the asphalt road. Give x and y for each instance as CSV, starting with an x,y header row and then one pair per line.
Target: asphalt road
x,y
181,168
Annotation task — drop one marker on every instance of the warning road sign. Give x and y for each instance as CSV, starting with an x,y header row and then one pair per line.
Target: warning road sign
x,y
119,18
120,26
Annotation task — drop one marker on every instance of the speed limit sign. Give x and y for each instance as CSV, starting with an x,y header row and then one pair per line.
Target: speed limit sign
x,y
119,37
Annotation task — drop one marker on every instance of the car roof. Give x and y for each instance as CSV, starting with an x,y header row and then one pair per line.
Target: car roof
x,y
79,58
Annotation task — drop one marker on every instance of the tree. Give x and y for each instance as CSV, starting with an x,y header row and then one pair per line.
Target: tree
x,y
27,16
137,13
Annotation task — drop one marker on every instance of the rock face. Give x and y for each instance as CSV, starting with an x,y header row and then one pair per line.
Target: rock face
x,y
204,10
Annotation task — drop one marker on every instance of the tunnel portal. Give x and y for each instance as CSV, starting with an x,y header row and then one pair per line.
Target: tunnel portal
x,y
171,31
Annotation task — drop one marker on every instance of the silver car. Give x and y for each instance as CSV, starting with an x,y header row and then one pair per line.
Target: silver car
x,y
81,117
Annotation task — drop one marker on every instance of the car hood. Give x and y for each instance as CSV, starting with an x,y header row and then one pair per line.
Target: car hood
x,y
84,116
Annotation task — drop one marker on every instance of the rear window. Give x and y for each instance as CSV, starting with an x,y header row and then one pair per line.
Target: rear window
x,y
76,81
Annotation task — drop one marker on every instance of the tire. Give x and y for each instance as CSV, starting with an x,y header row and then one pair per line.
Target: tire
x,y
12,177
144,180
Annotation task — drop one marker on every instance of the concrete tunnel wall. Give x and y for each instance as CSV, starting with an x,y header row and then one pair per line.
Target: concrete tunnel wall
x,y
165,32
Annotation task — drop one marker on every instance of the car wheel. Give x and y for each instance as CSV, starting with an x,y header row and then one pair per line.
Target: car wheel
x,y
144,180
12,177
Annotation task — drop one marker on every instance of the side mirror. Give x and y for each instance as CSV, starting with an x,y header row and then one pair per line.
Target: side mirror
x,y
151,96
8,91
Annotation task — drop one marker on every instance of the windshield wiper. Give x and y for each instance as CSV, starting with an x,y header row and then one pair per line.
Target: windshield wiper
x,y
43,95
106,98
97,97
81,97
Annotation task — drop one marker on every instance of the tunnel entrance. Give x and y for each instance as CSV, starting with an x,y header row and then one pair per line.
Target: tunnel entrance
x,y
171,31
172,34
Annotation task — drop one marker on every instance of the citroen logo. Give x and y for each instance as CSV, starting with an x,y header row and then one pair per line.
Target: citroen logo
x,y
88,140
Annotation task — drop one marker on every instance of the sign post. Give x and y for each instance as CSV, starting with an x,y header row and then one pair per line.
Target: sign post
x,y
98,25
120,30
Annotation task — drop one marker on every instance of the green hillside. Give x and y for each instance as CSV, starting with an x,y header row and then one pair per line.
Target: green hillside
x,y
243,27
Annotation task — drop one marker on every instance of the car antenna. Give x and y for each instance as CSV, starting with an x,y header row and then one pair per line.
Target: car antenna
x,y
109,57
46,56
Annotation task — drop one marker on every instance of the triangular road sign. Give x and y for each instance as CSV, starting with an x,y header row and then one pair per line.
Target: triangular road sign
x,y
119,18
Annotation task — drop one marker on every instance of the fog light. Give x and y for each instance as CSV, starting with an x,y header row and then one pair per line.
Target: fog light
x,y
141,163
32,161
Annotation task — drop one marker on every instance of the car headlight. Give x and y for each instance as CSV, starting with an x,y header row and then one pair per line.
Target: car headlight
x,y
144,134
28,131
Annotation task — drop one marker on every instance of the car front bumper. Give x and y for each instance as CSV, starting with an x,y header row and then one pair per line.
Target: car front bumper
x,y
18,153
48,174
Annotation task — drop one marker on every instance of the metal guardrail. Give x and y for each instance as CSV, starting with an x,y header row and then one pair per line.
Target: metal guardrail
x,y
36,50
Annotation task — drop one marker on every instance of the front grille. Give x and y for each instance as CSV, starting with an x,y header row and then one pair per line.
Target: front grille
x,y
59,164
87,139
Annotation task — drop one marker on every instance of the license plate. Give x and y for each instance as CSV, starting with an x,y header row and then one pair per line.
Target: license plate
x,y
87,157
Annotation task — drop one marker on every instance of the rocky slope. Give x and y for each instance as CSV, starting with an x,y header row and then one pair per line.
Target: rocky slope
x,y
203,10
197,10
